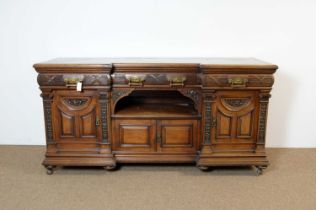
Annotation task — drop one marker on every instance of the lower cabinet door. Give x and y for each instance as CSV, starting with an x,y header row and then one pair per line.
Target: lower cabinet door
x,y
236,117
177,135
76,120
134,135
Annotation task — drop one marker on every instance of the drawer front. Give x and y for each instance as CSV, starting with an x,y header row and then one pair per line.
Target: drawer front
x,y
148,79
134,135
68,80
237,80
177,135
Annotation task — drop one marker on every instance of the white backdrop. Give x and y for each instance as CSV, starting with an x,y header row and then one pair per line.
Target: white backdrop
x,y
279,31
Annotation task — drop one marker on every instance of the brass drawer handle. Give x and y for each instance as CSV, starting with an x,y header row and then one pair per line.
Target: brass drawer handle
x,y
72,82
136,81
177,81
238,82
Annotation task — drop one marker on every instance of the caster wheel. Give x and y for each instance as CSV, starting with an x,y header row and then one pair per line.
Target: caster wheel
x,y
203,168
109,168
258,170
50,170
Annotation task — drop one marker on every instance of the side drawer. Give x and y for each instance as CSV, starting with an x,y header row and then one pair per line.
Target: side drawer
x,y
67,80
237,80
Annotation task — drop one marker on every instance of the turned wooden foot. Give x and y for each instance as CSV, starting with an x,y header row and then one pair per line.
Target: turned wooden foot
x,y
259,169
49,170
203,168
110,167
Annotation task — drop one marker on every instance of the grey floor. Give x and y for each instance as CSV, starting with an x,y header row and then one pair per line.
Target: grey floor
x,y
288,183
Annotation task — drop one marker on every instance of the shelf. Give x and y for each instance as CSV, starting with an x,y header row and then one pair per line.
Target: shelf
x,y
156,111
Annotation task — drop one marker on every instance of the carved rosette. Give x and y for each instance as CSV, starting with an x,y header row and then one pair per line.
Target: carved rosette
x,y
236,102
263,111
47,104
104,110
75,101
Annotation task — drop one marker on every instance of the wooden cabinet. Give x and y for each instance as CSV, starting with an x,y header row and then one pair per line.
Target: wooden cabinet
x,y
210,111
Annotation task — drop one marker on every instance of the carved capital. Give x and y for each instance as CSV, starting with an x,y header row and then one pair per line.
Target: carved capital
x,y
264,97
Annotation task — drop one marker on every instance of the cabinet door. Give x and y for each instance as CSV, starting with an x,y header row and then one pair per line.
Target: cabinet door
x,y
76,117
134,135
177,135
236,116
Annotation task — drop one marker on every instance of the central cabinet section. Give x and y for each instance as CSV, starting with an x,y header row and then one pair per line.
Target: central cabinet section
x,y
155,122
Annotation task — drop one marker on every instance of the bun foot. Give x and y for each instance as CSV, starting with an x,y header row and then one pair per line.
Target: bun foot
x,y
259,170
203,168
49,170
110,168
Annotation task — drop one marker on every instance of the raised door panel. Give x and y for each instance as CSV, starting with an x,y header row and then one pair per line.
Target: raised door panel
x,y
75,116
134,135
236,115
177,135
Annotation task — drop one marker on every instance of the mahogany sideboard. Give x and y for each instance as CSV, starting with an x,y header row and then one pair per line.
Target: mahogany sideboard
x,y
104,111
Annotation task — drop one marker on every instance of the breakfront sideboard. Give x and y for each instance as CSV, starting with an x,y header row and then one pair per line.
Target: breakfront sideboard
x,y
208,111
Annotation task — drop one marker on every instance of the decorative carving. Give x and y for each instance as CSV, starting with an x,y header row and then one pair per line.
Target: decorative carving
x,y
119,93
236,102
264,99
47,103
75,101
193,94
208,121
156,78
104,110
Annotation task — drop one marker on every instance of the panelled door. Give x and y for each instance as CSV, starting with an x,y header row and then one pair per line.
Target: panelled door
x,y
177,135
134,135
76,117
235,117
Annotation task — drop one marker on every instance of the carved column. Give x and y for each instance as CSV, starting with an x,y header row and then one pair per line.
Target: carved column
x,y
47,105
103,98
209,100
263,111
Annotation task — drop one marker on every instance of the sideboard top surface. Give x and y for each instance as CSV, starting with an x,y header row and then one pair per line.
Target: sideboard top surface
x,y
207,64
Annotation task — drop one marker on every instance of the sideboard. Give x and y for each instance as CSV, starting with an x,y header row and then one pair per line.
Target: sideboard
x,y
104,111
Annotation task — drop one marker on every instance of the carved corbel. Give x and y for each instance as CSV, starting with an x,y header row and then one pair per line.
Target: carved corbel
x,y
192,94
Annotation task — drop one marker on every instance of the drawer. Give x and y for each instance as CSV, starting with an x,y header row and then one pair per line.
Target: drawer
x,y
237,80
71,79
148,79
